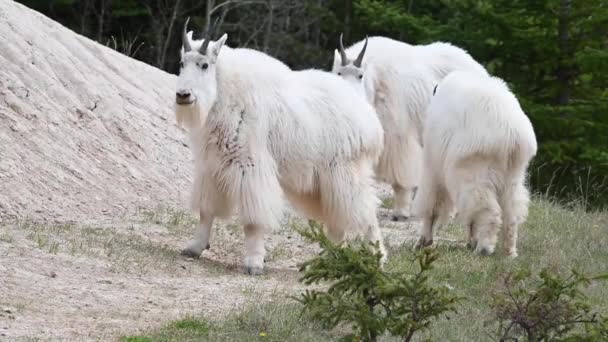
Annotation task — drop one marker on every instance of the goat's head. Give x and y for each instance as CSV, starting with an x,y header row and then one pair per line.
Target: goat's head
x,y
351,71
197,81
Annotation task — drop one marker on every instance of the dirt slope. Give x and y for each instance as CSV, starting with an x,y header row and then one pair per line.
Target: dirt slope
x,y
85,132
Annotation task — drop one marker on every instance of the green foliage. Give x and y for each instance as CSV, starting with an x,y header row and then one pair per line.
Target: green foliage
x,y
188,329
373,301
552,308
277,321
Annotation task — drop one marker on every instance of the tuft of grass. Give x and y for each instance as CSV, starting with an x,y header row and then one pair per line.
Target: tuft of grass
x,y
6,237
168,217
126,251
278,252
233,228
279,321
187,329
137,339
387,202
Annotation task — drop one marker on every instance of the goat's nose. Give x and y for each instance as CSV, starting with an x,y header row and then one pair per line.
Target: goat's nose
x,y
183,94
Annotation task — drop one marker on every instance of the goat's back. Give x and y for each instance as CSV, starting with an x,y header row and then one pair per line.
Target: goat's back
x,y
472,114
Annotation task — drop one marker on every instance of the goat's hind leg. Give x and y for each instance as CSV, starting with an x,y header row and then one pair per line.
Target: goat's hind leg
x,y
349,205
515,203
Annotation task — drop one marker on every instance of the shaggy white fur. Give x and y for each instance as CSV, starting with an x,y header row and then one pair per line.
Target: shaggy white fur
x,y
262,132
477,146
398,79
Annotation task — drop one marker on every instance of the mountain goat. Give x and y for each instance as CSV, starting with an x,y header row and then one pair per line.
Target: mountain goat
x,y
477,146
261,131
398,79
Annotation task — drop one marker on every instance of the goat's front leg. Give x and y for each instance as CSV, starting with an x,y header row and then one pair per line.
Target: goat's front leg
x,y
255,251
200,242
425,238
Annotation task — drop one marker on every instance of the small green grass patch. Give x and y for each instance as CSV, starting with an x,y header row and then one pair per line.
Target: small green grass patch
x,y
272,322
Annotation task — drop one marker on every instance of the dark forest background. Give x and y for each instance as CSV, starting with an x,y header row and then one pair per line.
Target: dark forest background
x,y
553,53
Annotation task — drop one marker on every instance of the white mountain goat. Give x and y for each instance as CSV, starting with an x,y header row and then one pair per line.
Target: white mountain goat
x,y
398,79
261,131
477,146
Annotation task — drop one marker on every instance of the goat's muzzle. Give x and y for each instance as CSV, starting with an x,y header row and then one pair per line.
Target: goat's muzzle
x,y
184,98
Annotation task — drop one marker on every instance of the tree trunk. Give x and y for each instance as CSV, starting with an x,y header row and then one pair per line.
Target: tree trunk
x,y
266,44
317,28
348,11
208,13
85,12
168,35
565,73
103,6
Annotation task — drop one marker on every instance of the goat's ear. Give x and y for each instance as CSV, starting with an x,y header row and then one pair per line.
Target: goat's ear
x,y
189,34
217,46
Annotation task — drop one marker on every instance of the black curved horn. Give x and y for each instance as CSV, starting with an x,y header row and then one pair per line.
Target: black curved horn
x,y
342,52
185,40
359,59
208,35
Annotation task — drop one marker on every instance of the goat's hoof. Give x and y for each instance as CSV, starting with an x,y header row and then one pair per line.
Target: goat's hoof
x,y
400,218
254,271
254,265
512,254
484,251
423,243
190,253
193,249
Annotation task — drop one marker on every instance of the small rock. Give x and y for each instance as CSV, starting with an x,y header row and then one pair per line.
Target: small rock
x,y
7,310
190,259
104,282
182,266
53,274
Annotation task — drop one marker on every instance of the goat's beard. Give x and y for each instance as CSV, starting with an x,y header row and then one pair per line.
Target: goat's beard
x,y
190,116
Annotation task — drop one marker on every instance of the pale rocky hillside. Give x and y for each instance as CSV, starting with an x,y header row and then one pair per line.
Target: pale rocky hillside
x,y
85,132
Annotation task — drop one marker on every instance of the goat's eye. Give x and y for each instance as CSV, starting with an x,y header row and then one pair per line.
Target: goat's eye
x,y
205,66
360,77
339,74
